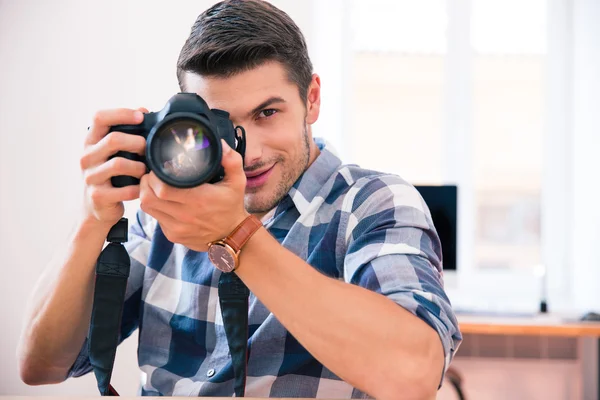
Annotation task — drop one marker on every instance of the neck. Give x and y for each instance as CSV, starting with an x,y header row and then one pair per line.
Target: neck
x,y
260,216
313,149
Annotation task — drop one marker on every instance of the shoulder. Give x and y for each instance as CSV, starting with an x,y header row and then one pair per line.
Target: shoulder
x,y
377,202
356,190
373,191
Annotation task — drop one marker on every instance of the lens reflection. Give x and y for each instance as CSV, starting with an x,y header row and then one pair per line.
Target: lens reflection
x,y
183,150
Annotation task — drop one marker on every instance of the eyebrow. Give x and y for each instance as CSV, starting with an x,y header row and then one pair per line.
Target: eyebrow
x,y
265,104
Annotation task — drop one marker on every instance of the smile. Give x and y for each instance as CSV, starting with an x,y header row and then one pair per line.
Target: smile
x,y
255,180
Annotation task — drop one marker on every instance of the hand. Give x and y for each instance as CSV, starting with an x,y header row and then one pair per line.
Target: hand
x,y
103,203
197,216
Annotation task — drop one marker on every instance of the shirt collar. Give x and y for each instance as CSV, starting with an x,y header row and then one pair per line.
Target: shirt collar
x,y
314,178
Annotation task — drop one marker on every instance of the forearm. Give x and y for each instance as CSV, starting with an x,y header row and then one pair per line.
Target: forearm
x,y
59,309
363,337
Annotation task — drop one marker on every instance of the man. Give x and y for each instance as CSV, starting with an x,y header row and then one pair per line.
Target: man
x,y
347,294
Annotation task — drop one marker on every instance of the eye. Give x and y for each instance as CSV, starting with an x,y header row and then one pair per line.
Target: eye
x,y
269,112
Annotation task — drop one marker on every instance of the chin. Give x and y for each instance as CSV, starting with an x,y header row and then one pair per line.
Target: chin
x,y
264,198
261,200
257,204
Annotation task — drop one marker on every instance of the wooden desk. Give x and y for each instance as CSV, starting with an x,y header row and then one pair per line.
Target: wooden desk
x,y
539,325
542,325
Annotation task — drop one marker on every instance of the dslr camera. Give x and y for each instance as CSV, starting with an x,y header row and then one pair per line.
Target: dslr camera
x,y
183,142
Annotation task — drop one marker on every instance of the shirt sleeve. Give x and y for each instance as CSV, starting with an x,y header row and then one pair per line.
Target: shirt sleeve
x,y
393,249
138,246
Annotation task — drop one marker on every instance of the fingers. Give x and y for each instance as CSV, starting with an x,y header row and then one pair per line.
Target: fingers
x,y
104,119
102,201
165,193
109,145
170,226
233,165
115,167
172,217
153,190
103,196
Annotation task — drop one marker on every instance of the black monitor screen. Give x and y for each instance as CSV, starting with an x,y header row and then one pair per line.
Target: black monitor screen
x,y
442,202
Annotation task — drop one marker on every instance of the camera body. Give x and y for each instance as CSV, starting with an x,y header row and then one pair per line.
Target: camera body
x,y
184,136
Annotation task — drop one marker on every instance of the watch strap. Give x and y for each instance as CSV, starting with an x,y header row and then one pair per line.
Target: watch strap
x,y
242,233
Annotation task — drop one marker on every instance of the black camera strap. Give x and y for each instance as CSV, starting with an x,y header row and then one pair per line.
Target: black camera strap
x,y
233,298
112,272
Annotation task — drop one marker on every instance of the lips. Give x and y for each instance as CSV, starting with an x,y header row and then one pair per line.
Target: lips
x,y
256,173
256,179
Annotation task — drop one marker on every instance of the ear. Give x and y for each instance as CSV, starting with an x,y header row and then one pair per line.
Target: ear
x,y
313,100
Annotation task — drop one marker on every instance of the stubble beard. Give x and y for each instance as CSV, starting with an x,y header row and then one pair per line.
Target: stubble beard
x,y
289,176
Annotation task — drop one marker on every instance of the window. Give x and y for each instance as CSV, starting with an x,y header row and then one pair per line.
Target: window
x,y
398,65
400,75
508,42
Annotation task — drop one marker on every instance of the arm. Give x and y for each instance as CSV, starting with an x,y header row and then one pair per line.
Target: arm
x,y
358,327
53,344
348,328
58,313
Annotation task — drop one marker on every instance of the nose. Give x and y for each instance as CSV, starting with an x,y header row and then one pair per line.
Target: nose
x,y
253,150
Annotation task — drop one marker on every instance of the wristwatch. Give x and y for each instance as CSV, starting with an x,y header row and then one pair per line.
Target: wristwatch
x,y
224,253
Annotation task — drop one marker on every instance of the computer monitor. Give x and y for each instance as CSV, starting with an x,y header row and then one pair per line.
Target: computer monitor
x,y
442,202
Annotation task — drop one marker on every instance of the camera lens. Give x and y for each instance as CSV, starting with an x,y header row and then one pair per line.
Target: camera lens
x,y
184,151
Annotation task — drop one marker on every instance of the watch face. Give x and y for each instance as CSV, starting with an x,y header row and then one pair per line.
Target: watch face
x,y
221,257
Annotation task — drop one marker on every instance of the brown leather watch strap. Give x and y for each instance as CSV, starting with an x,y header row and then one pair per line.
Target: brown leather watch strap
x,y
243,232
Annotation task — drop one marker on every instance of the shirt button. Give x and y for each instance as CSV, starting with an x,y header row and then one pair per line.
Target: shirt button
x,y
210,373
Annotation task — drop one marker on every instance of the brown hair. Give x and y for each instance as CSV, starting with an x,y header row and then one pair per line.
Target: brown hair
x,y
237,35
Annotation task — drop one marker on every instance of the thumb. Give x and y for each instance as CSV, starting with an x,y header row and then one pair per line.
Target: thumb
x,y
233,165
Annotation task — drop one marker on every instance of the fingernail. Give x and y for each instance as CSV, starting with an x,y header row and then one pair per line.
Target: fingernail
x,y
138,115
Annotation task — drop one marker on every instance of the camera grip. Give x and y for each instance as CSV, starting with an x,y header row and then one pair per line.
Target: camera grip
x,y
134,129
124,180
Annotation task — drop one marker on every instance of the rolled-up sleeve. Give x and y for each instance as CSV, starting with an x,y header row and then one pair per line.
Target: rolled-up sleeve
x,y
393,249
138,247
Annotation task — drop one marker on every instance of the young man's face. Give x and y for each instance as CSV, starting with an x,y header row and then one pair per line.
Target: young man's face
x,y
277,123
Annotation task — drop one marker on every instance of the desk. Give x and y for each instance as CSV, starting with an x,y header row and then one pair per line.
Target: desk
x,y
541,325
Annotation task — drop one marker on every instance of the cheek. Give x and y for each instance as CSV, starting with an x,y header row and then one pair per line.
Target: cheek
x,y
281,134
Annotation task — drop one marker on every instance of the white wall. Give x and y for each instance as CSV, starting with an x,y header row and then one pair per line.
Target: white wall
x,y
61,61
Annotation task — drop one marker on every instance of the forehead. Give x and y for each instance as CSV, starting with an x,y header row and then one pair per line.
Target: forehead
x,y
242,92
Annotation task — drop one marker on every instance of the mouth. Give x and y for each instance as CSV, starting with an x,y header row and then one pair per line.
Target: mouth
x,y
256,179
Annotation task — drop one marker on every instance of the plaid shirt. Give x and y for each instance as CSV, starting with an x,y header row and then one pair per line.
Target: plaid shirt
x,y
364,227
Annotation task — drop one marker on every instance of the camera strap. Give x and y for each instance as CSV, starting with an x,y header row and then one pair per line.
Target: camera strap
x,y
233,298
112,272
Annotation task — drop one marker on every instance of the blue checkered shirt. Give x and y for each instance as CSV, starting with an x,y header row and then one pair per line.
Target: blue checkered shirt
x,y
364,227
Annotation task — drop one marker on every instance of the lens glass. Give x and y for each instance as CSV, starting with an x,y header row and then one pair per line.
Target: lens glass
x,y
184,150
